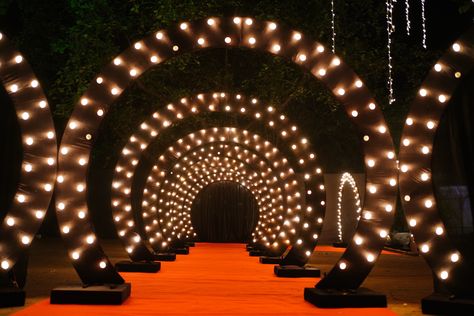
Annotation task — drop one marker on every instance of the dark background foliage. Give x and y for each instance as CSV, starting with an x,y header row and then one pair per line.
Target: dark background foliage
x,y
68,41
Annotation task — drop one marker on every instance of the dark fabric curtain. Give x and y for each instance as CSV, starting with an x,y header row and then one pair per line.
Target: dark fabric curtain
x,y
453,166
224,212
10,152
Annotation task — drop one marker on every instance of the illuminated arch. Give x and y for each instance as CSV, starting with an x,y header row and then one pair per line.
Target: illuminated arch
x,y
244,156
416,184
38,169
152,128
146,214
239,171
90,261
235,136
346,178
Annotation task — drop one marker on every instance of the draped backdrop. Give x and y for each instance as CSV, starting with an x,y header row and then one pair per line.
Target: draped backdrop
x,y
224,212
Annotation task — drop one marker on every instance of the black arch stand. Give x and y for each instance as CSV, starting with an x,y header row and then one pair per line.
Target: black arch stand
x,y
113,294
333,298
142,261
294,264
444,303
12,283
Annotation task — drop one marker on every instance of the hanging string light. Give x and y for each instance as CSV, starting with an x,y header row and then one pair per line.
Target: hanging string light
x,y
333,27
423,23
390,31
407,16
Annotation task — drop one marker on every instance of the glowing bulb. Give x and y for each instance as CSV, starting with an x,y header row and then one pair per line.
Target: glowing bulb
x,y
439,230
75,255
10,221
39,214
456,47
444,275
21,198
412,222
342,265
102,264
18,59
5,265
428,203
438,67
371,163
370,257
454,257
425,248
25,240
90,239
297,36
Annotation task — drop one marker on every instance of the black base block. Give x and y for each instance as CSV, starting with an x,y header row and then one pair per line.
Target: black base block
x,y
296,272
142,266
447,305
249,247
361,297
340,244
91,295
270,260
190,244
255,253
162,256
11,297
181,251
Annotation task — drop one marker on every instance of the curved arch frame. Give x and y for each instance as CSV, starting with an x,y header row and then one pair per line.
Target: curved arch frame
x,y
236,136
416,184
38,168
346,178
151,128
245,157
244,181
90,261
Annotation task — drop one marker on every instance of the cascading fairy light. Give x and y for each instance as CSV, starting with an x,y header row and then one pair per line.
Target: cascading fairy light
x,y
407,17
390,31
423,23
346,178
333,27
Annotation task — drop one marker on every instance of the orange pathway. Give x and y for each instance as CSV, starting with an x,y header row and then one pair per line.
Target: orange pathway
x,y
214,279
